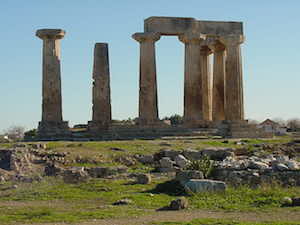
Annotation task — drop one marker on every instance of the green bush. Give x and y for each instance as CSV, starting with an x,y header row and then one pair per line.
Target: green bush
x,y
205,165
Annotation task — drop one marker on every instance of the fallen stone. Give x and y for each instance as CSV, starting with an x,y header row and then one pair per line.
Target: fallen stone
x,y
218,154
166,162
181,161
197,186
74,176
145,159
258,165
292,165
172,154
192,154
178,204
185,176
143,179
123,202
280,167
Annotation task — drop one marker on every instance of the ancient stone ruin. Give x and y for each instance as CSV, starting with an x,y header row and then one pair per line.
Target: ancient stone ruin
x,y
213,100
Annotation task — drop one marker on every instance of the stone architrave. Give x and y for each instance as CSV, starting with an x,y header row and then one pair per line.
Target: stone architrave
x,y
148,109
52,122
234,99
218,103
101,118
207,82
193,111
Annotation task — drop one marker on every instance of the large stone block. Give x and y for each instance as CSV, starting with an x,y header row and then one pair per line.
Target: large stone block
x,y
196,186
180,25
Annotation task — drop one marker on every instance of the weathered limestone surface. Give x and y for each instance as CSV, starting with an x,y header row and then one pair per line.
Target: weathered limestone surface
x,y
193,111
207,82
218,113
178,25
169,25
234,99
148,110
52,121
101,89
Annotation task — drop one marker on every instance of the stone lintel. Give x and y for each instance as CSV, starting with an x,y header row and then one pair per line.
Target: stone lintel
x,y
180,25
50,33
169,25
220,28
146,36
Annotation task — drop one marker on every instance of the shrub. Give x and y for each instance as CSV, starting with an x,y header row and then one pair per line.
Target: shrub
x,y
205,165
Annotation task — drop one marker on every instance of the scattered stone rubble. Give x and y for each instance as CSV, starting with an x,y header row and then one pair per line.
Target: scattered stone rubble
x,y
261,164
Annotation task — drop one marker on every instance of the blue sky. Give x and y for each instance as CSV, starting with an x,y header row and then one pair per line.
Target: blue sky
x,y
271,56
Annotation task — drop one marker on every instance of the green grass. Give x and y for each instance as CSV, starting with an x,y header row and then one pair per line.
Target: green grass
x,y
224,222
54,201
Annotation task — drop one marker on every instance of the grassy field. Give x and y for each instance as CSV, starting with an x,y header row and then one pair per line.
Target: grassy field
x,y
53,201
224,222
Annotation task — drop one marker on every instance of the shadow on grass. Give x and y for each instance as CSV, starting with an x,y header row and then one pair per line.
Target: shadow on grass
x,y
171,187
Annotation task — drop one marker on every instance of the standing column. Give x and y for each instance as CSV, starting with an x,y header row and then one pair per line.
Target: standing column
x,y
234,99
148,110
193,114
101,89
218,111
52,122
207,83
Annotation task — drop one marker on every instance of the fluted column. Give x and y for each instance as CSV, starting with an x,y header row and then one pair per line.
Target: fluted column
x,y
148,109
207,83
218,102
193,90
234,99
52,122
101,89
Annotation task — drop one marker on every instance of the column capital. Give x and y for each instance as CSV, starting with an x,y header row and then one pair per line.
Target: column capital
x,y
147,36
205,50
232,40
50,34
216,46
191,37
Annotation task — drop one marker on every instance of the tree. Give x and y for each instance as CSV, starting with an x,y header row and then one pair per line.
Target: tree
x,y
280,121
15,132
293,124
175,119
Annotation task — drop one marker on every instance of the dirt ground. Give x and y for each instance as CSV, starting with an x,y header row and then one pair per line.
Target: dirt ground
x,y
287,215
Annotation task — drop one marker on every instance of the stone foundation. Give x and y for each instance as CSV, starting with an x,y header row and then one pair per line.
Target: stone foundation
x,y
53,129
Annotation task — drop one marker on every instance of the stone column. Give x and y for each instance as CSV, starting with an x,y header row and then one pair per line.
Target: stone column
x,y
193,113
101,89
218,102
207,83
148,109
52,122
234,99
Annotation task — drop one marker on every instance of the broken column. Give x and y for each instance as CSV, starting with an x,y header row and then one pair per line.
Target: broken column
x,y
101,118
52,123
193,110
148,109
206,82
218,113
234,99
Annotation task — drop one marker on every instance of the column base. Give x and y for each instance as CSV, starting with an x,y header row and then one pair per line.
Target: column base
x,y
53,129
96,126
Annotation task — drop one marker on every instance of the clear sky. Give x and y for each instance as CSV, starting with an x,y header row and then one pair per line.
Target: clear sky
x,y
271,55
